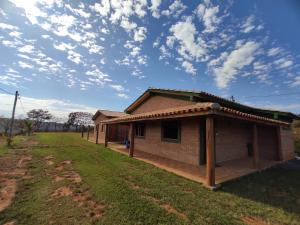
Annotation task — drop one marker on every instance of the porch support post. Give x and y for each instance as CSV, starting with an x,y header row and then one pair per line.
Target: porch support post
x,y
131,139
97,133
279,144
106,135
88,133
255,147
210,152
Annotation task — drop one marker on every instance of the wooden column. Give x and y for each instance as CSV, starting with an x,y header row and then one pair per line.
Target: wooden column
x,y
210,152
131,139
88,133
255,147
106,135
97,133
279,144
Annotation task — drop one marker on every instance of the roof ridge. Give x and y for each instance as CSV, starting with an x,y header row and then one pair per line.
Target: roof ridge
x,y
209,107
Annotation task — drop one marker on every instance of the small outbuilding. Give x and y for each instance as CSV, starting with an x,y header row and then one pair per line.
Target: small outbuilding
x,y
199,135
115,132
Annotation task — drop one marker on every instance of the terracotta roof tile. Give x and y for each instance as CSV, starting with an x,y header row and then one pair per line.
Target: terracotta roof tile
x,y
109,113
207,107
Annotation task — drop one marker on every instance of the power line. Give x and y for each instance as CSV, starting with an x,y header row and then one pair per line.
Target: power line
x,y
22,105
7,92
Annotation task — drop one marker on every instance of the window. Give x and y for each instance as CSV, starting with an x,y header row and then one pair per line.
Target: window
x,y
140,130
102,128
171,131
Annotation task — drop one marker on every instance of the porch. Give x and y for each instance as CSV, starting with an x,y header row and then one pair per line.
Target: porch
x,y
225,171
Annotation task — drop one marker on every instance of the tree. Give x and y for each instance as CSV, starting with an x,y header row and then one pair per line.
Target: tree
x,y
38,116
28,127
4,124
79,119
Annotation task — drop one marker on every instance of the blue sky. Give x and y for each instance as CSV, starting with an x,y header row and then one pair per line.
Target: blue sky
x,y
79,56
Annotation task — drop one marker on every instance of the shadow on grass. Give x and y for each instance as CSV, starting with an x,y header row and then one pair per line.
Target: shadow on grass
x,y
278,187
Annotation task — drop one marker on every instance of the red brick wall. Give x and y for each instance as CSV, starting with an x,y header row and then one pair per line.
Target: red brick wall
x,y
160,102
186,151
101,136
232,137
287,144
267,142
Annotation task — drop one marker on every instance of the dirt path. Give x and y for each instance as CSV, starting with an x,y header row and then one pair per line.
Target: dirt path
x,y
13,167
74,190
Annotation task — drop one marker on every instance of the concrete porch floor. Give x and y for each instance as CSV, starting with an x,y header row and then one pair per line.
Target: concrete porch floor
x,y
224,171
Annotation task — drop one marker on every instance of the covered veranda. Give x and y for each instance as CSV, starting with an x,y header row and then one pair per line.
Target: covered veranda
x,y
210,174
225,171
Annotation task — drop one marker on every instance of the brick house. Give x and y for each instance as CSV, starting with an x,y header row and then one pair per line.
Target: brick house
x,y
199,135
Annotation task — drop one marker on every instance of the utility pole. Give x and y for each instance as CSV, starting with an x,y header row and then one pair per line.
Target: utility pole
x,y
13,116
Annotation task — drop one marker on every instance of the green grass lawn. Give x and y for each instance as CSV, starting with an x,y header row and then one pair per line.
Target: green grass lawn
x,y
134,192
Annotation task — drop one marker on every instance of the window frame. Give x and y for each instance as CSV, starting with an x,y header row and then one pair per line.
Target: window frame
x,y
163,139
139,125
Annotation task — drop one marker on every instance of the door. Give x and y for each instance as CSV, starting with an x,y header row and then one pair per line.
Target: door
x,y
202,147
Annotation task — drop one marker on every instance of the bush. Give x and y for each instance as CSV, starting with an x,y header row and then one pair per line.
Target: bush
x,y
296,124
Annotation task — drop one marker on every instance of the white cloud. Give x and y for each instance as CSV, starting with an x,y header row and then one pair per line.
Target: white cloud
x,y
63,46
284,107
102,8
175,9
140,34
128,26
248,26
164,52
185,33
208,14
57,107
5,26
274,51
123,95
15,34
154,8
26,49
135,51
230,64
45,36
139,8
25,65
10,44
296,81
283,62
117,87
31,9
170,41
79,12
97,76
74,56
188,67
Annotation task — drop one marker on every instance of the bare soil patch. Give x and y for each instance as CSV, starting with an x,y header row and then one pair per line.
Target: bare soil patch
x,y
251,220
62,191
171,209
7,192
64,171
12,168
49,160
167,207
10,223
